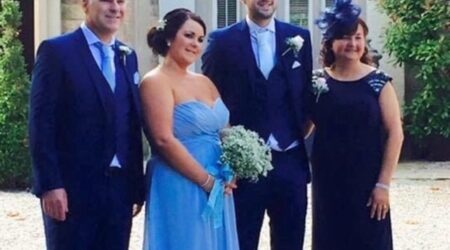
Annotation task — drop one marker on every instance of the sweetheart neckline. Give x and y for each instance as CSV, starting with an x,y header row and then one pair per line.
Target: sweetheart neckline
x,y
200,102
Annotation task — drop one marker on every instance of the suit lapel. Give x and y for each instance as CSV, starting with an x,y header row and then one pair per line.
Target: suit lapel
x,y
245,44
280,40
281,47
129,74
293,76
97,78
119,61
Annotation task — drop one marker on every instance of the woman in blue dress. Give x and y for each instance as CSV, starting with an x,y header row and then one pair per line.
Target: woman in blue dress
x,y
357,141
184,115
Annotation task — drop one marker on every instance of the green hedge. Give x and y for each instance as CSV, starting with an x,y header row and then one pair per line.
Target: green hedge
x,y
14,88
419,36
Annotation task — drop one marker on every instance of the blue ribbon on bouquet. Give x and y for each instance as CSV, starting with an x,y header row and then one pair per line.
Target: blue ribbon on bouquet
x,y
214,208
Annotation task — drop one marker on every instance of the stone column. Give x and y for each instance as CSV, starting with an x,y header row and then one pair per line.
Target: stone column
x,y
141,16
47,20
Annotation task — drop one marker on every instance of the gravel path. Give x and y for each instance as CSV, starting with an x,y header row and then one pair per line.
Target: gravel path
x,y
420,213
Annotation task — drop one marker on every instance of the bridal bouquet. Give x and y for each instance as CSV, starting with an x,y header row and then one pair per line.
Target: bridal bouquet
x,y
246,153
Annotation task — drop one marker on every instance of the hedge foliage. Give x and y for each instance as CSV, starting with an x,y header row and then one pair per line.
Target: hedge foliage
x,y
14,88
419,36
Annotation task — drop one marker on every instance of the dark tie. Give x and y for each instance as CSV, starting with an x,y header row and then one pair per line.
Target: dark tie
x,y
107,66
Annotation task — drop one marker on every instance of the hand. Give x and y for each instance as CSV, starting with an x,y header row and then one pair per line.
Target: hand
x,y
230,186
136,209
379,201
55,205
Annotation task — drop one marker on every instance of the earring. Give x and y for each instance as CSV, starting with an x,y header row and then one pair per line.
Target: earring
x,y
168,44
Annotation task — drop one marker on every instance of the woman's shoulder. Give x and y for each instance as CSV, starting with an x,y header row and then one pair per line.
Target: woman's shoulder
x,y
154,79
377,79
202,79
382,75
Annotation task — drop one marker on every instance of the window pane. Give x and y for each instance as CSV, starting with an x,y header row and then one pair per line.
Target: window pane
x,y
298,12
221,13
232,12
226,12
329,3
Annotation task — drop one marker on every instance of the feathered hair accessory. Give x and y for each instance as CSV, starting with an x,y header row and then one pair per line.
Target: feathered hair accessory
x,y
342,15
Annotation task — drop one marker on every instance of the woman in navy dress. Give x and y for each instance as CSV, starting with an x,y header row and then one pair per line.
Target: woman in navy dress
x,y
184,116
358,138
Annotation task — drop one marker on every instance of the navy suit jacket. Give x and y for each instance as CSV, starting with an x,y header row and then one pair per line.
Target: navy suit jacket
x,y
230,63
72,123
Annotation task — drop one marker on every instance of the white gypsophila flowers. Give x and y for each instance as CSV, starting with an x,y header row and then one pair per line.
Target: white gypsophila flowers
x,y
246,153
295,44
319,86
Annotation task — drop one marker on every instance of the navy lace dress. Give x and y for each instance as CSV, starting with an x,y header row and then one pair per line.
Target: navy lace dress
x,y
346,161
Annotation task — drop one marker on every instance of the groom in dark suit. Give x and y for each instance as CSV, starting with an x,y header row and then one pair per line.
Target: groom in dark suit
x,y
262,68
85,133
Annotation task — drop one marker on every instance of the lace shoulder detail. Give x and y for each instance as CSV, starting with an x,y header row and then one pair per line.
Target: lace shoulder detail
x,y
378,80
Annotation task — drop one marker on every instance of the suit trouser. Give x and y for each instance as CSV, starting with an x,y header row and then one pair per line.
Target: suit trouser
x,y
103,224
283,195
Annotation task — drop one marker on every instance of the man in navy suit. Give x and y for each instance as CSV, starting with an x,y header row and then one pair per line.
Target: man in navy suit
x,y
262,79
85,133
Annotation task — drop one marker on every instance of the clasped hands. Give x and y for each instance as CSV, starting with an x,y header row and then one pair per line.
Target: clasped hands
x,y
228,186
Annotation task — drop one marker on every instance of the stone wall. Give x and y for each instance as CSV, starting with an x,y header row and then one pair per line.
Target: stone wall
x,y
71,15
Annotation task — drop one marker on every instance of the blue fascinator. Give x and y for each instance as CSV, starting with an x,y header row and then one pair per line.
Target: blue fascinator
x,y
336,20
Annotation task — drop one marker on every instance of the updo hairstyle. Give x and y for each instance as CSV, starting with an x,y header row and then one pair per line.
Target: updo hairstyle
x,y
159,37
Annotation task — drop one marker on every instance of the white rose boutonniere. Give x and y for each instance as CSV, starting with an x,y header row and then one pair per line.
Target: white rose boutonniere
x,y
295,44
124,52
319,86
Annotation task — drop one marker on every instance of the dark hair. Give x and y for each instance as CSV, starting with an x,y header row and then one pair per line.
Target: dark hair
x,y
326,51
159,36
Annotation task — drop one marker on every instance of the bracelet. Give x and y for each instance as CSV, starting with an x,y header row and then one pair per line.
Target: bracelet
x,y
383,186
207,181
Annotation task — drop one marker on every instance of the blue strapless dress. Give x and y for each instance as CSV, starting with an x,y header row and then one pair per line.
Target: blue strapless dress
x,y
175,204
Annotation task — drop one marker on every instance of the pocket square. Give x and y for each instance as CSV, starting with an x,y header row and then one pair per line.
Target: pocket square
x,y
296,64
136,78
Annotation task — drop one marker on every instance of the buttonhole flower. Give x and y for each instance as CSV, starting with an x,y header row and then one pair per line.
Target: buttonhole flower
x,y
295,44
319,87
124,52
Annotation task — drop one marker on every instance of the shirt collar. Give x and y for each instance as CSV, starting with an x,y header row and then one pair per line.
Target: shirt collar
x,y
255,28
91,37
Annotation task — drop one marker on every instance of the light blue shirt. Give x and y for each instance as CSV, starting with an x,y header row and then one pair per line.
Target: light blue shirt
x,y
254,29
91,39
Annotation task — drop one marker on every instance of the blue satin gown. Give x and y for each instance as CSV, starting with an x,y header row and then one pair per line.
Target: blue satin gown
x,y
175,213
